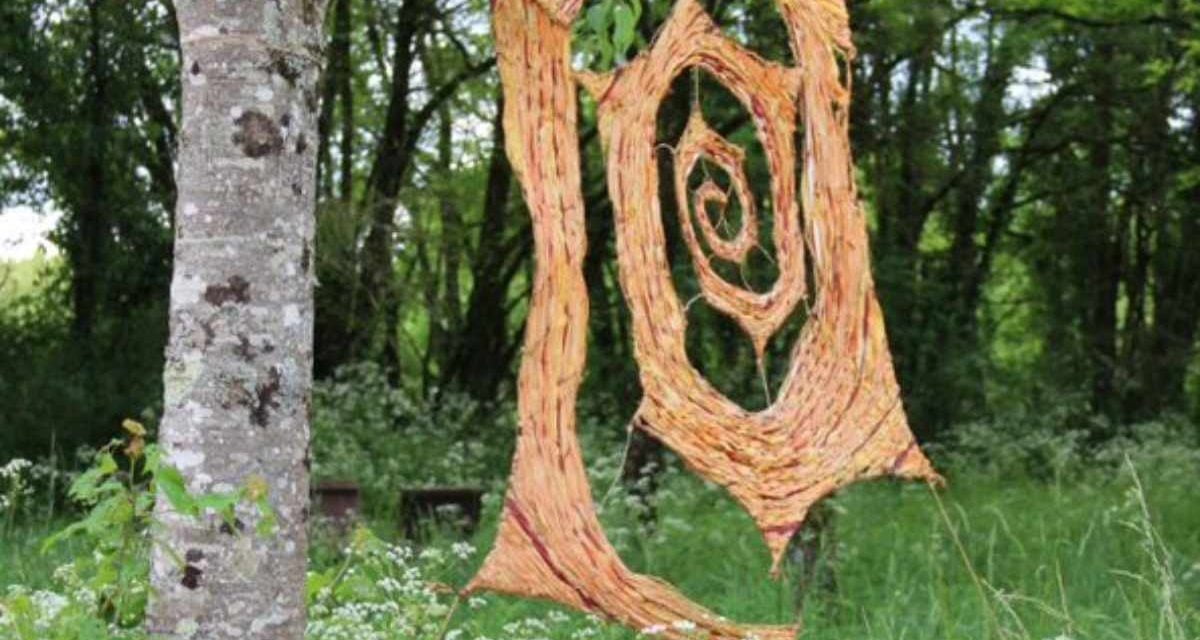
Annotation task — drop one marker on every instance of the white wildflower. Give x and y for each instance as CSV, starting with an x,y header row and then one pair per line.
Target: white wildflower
x,y
463,550
14,467
476,602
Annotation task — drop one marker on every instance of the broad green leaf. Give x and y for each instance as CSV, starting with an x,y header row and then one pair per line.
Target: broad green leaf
x,y
219,502
172,484
598,19
623,29
318,580
108,464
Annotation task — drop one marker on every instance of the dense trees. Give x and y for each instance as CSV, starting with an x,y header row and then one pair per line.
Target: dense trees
x,y
1007,151
1030,167
88,92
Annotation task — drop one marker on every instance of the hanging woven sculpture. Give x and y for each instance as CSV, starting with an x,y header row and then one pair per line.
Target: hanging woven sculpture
x,y
837,417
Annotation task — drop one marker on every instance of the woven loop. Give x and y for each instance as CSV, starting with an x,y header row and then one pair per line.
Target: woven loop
x,y
837,417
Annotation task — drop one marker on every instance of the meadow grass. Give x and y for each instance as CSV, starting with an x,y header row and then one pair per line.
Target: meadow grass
x,y
1101,558
1098,556
21,559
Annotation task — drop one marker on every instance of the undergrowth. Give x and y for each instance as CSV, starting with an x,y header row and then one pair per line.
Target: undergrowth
x,y
1039,536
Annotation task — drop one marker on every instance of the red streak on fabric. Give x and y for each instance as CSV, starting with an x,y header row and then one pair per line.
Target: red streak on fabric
x,y
542,551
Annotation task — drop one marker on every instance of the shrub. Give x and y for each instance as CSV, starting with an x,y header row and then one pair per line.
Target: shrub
x,y
1037,445
386,439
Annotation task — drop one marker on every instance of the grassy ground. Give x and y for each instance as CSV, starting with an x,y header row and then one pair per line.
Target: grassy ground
x,y
1106,556
22,560
988,558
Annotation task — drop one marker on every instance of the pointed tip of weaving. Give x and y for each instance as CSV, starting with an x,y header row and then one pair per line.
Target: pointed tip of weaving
x,y
912,464
777,539
760,350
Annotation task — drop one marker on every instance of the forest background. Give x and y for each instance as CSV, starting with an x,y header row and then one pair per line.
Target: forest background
x,y
1030,170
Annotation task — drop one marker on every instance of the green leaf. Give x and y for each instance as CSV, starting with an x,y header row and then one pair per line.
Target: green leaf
x,y
153,456
268,523
86,486
606,51
92,629
219,502
318,580
144,504
120,512
624,22
107,463
170,481
51,541
598,19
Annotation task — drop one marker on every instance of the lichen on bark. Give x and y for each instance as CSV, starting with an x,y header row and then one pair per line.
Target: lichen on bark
x,y
239,357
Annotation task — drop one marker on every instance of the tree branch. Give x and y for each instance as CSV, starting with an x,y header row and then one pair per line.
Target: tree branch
x,y
422,117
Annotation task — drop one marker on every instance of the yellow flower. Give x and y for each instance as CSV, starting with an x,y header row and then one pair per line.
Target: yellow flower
x,y
135,428
256,488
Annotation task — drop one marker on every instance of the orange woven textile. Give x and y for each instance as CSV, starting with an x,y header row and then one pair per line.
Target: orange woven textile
x,y
837,417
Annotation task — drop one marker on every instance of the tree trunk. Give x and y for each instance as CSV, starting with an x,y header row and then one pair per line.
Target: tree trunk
x,y
1164,297
903,211
239,360
383,188
480,362
343,22
1172,346
977,175
453,228
337,86
1102,278
92,226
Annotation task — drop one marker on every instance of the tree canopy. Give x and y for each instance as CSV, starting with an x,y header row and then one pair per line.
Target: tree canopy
x,y
1031,169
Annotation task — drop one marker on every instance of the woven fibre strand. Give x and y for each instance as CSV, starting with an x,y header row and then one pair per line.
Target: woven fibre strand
x,y
699,141
837,417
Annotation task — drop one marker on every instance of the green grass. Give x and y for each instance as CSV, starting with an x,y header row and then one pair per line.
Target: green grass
x,y
1035,561
22,560
1038,561
1104,556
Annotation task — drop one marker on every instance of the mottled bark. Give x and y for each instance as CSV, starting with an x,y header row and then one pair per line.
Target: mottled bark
x,y
239,360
